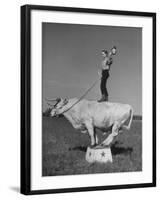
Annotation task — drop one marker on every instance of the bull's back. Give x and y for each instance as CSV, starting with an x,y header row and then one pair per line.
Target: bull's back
x,y
106,113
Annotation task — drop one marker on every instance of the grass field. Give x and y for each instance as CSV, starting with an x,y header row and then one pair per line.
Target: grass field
x,y
64,148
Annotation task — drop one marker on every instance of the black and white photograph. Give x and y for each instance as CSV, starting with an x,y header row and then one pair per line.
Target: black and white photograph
x,y
92,99
88,106
79,100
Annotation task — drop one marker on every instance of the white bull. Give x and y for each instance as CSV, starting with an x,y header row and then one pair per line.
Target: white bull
x,y
87,115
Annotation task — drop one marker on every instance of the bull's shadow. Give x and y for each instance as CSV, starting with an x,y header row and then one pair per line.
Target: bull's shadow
x,y
78,148
115,148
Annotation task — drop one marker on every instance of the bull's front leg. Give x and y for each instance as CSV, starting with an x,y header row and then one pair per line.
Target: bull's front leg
x,y
96,138
90,129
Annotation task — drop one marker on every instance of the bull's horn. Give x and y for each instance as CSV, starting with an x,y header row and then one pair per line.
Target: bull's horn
x,y
55,99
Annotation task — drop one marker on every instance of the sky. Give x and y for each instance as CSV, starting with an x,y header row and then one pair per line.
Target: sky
x,y
71,58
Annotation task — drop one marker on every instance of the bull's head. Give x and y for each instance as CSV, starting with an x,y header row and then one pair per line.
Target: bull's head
x,y
58,107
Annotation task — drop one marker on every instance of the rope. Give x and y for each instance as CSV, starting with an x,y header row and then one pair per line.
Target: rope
x,y
89,89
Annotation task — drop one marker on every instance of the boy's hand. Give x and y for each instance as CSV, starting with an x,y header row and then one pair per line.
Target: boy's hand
x,y
114,50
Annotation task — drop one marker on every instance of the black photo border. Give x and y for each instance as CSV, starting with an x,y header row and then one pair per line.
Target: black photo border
x,y
25,182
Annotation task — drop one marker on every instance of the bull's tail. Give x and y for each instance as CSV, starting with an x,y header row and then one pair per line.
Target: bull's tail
x,y
130,121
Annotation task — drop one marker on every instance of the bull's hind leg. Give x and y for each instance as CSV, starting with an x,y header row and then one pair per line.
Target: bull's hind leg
x,y
110,138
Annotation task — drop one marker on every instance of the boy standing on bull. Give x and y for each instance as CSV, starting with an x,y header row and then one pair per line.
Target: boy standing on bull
x,y
106,64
